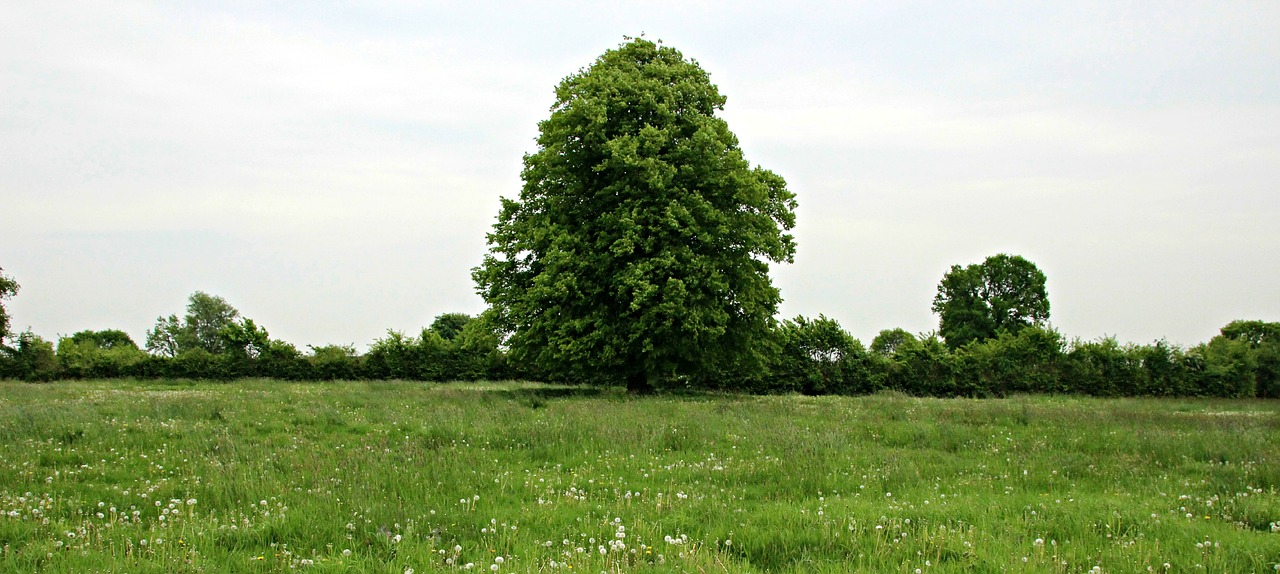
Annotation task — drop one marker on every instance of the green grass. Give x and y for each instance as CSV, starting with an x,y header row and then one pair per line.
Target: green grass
x,y
264,476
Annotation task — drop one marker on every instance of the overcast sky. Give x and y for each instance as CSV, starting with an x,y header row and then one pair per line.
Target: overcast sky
x,y
331,168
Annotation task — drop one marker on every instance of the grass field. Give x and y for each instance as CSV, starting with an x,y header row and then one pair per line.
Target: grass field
x,y
262,476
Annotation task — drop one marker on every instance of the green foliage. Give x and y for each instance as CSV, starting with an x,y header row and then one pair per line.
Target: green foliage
x,y
1003,293
472,353
638,250
888,341
924,367
1026,362
243,339
816,357
334,362
478,348
1104,368
1229,367
394,357
207,316
1267,376
282,360
31,359
450,325
1255,333
98,354
1263,339
1166,370
198,363
168,337
105,339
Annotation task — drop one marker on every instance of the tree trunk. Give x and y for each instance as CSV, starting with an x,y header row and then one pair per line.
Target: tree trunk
x,y
638,383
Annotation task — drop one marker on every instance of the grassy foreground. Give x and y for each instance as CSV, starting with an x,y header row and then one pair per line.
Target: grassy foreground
x,y
262,476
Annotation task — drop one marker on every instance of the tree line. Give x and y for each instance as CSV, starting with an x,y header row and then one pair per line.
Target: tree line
x,y
213,341
809,356
637,253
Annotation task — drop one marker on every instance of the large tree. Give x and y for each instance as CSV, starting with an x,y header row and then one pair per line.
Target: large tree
x,y
638,249
977,302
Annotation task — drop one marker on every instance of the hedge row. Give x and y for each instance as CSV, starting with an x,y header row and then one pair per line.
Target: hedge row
x,y
819,358
807,356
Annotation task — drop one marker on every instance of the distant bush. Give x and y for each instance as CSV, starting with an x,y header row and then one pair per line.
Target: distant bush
x,y
1229,368
455,347
924,367
98,354
1263,340
817,356
1103,368
334,362
32,359
1028,362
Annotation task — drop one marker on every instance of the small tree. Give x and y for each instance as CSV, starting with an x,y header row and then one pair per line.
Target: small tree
x,y
207,315
167,338
1003,293
638,250
244,339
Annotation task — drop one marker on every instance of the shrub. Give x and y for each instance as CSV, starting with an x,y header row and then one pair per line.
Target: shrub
x,y
334,362
925,367
1103,368
98,354
33,359
818,357
1229,368
1028,362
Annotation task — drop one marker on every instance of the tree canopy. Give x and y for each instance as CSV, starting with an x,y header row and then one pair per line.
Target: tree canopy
x,y
888,341
638,248
450,325
202,328
977,302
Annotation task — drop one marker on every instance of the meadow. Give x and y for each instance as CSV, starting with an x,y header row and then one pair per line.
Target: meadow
x,y
396,477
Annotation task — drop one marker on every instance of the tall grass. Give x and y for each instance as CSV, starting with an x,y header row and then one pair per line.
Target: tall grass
x,y
262,476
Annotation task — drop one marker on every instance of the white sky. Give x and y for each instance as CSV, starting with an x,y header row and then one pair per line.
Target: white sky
x,y
331,168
